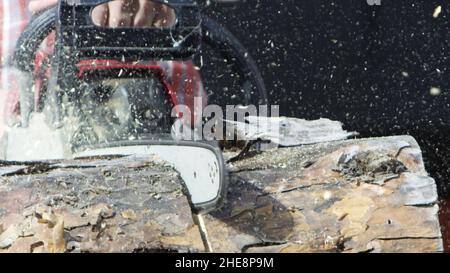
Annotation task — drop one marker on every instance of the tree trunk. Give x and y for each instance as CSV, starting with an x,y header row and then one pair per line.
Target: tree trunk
x,y
367,195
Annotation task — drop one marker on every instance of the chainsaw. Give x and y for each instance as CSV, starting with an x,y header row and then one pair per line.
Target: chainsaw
x,y
108,94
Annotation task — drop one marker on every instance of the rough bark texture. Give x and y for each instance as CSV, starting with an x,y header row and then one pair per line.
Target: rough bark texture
x,y
369,195
119,205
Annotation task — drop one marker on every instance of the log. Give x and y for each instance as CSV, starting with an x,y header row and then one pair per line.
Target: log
x,y
368,195
363,195
124,204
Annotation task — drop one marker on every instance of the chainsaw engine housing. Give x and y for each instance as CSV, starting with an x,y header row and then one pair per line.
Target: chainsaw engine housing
x,y
79,39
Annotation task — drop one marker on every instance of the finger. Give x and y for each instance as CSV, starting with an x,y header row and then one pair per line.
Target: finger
x,y
164,16
100,15
145,14
121,13
37,5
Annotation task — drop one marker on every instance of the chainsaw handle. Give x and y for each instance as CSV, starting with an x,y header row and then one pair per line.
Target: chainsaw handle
x,y
44,22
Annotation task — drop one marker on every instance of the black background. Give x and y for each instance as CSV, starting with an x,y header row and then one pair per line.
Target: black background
x,y
166,262
347,60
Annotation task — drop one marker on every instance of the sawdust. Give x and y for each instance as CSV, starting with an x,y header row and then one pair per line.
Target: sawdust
x,y
370,166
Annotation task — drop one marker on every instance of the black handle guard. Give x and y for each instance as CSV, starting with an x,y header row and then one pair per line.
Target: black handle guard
x,y
77,34
78,38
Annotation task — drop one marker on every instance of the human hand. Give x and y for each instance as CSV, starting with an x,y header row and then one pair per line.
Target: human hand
x,y
122,13
138,13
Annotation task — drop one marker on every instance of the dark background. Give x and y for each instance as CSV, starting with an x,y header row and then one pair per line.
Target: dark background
x,y
370,67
